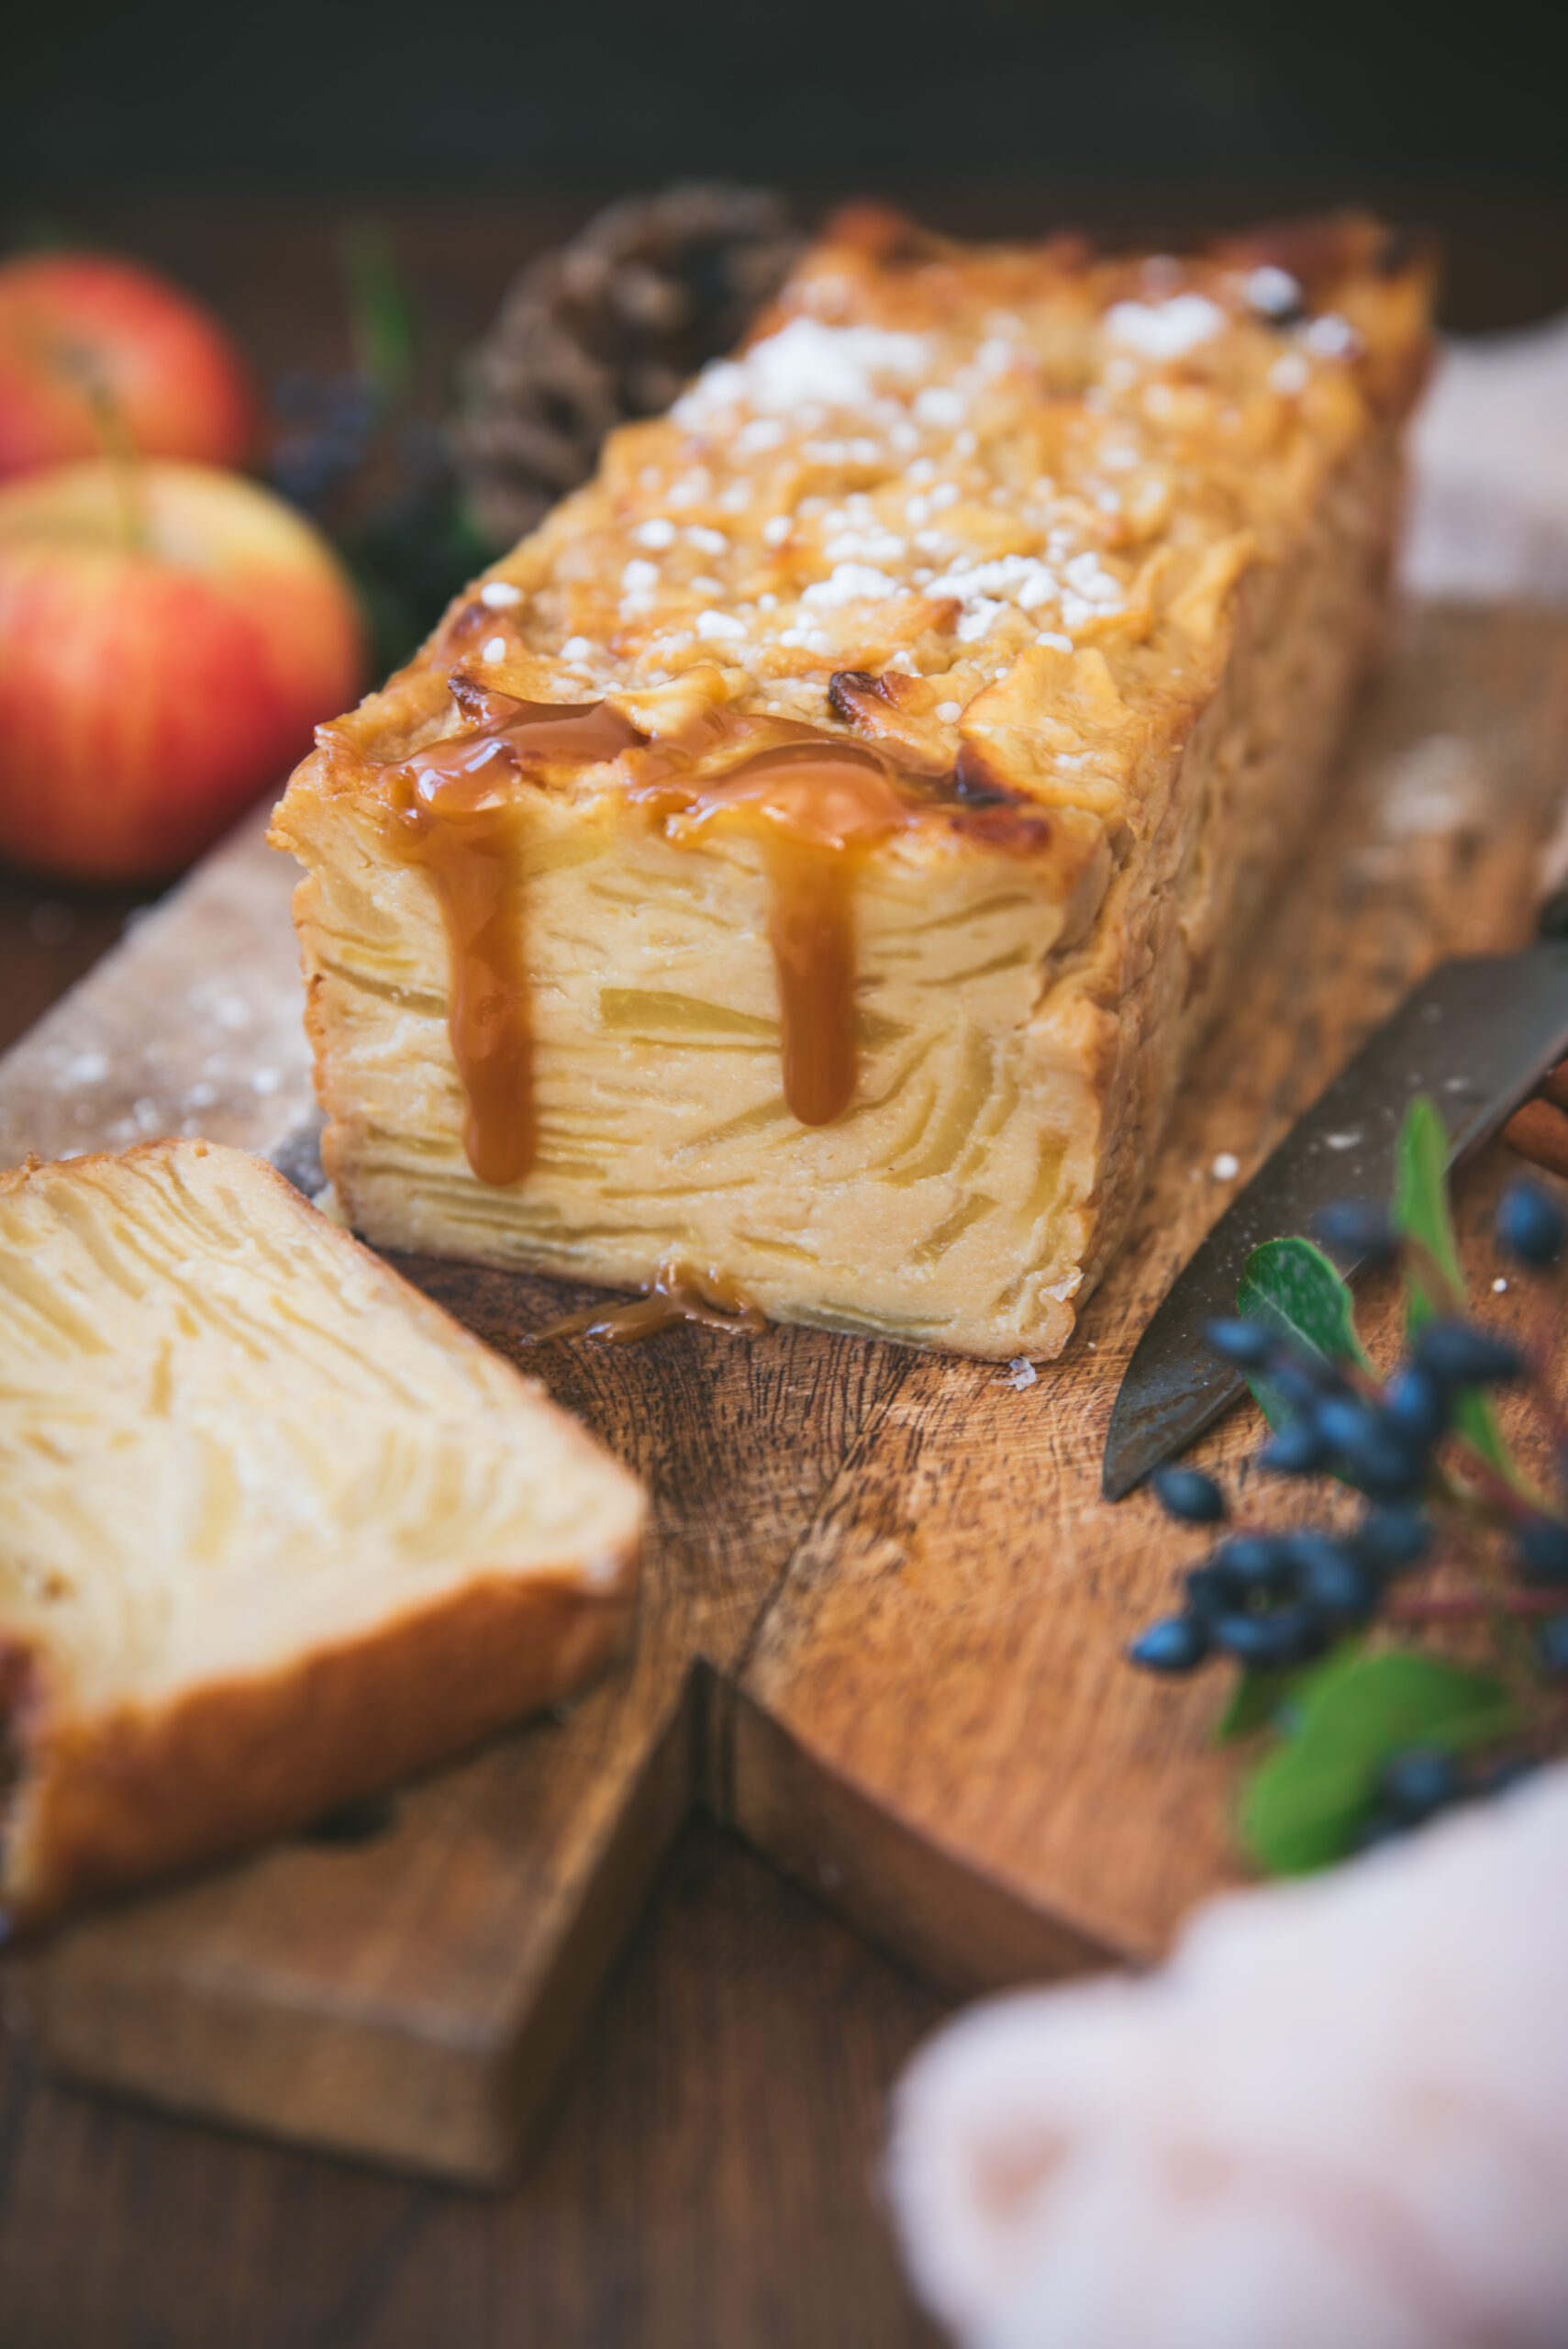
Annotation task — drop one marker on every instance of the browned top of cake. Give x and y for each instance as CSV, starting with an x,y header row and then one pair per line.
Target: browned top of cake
x,y
944,494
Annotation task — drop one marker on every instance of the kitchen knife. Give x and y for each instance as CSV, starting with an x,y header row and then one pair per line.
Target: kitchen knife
x,y
1478,1035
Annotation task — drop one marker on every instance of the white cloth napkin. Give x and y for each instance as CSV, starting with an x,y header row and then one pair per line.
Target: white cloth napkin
x,y
1336,2119
1489,514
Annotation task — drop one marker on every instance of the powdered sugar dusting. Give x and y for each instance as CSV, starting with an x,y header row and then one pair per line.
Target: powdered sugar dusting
x,y
806,360
852,583
1165,330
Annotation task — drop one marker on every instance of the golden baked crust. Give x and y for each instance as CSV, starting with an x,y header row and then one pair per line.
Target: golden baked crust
x,y
946,680
139,1792
277,1530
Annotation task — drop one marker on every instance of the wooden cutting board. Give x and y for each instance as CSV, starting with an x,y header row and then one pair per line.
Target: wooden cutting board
x,y
883,1605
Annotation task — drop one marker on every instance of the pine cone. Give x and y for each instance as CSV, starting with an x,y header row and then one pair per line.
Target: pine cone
x,y
605,328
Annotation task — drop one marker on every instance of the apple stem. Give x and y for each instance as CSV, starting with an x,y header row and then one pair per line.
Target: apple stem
x,y
124,461
117,442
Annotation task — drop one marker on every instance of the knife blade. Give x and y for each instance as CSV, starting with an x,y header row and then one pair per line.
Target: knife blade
x,y
1478,1034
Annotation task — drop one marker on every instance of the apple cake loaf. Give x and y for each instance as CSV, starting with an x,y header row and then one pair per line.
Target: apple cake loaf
x,y
810,857
276,1530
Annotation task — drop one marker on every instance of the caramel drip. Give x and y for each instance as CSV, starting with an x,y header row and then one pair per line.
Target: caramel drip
x,y
817,810
471,856
815,805
676,1293
459,818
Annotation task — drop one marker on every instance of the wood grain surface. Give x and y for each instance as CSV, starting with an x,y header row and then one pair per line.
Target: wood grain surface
x,y
708,2180
885,1606
944,1648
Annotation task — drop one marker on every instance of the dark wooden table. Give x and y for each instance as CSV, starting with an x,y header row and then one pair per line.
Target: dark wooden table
x,y
711,2173
710,2179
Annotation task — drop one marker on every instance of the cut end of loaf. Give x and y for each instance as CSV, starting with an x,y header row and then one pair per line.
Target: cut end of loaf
x,y
1036,584
278,1530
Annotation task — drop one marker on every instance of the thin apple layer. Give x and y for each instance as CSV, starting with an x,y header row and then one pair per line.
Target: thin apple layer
x,y
664,1133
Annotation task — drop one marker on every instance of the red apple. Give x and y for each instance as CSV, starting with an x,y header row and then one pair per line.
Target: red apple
x,y
163,368
167,637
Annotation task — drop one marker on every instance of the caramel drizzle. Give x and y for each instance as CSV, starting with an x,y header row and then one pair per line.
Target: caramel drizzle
x,y
708,1300
816,809
815,805
477,876
458,819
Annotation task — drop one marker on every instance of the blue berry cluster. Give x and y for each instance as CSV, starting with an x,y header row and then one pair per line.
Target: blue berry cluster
x,y
384,489
1275,1601
326,426
1382,1441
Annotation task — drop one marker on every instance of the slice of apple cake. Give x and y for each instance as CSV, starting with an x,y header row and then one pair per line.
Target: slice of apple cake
x,y
276,1530
810,858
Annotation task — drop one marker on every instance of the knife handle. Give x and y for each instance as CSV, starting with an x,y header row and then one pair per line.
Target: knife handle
x,y
1538,1130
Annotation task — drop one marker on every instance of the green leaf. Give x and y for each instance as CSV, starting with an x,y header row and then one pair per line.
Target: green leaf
x,y
381,320
1292,1287
1303,1806
1420,1204
1477,1421
1421,1213
1255,1701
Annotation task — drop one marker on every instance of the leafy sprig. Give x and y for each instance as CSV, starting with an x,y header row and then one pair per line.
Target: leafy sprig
x,y
1367,1735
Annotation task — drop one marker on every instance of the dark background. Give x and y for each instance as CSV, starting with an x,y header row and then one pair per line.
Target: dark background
x,y
842,91
187,131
